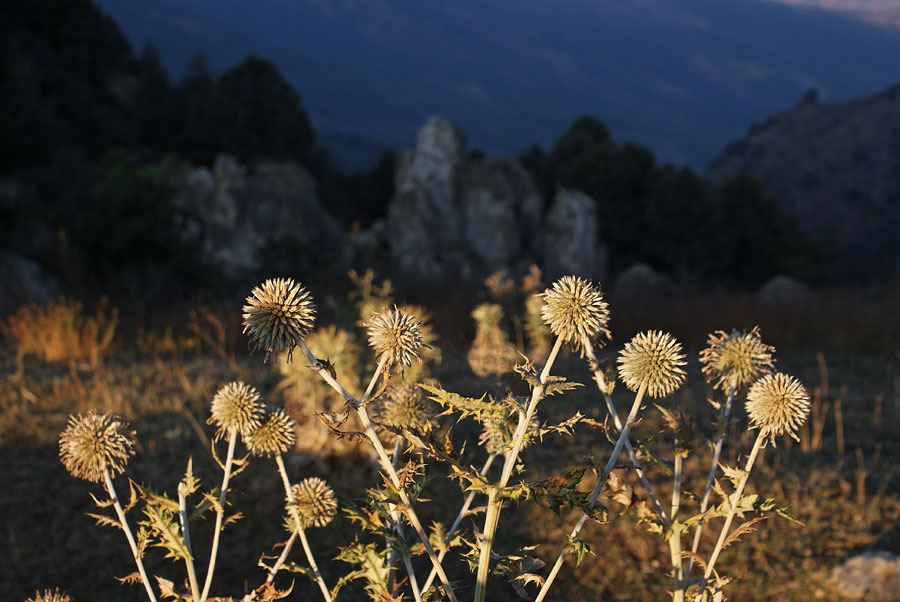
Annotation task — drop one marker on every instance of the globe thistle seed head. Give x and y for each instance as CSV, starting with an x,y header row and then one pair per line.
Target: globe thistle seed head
x,y
575,310
48,596
404,406
235,408
313,501
777,404
396,334
654,359
278,315
736,359
93,443
273,436
498,430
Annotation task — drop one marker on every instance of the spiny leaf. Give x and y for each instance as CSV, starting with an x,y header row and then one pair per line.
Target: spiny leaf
x,y
580,548
132,579
232,519
105,521
293,567
166,587
99,503
454,402
189,483
745,528
165,531
558,384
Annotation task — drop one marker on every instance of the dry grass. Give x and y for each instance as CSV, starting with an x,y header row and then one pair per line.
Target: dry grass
x,y
61,332
842,481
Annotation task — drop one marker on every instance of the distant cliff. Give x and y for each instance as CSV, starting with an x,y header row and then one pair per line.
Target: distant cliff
x,y
836,167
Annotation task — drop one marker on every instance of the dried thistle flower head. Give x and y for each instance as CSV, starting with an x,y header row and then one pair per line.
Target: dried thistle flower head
x,y
94,443
273,436
498,429
654,359
48,596
314,502
736,359
404,405
235,408
396,334
777,404
575,310
278,315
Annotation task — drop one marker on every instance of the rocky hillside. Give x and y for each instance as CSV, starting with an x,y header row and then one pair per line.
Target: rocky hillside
x,y
836,167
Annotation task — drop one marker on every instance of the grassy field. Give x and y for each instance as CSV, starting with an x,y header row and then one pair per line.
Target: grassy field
x,y
842,480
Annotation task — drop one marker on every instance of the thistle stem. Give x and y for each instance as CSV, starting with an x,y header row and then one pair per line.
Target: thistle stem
x,y
492,517
459,517
382,456
717,452
189,561
601,481
600,379
281,559
107,479
395,516
220,515
735,499
413,583
299,530
675,535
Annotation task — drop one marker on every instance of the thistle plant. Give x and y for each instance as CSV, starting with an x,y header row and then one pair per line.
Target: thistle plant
x,y
48,596
96,447
396,338
777,404
271,437
235,410
650,364
574,310
729,362
401,409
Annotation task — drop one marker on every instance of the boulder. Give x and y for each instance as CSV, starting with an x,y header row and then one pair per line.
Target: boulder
x,y
452,218
241,218
873,576
642,282
784,290
571,245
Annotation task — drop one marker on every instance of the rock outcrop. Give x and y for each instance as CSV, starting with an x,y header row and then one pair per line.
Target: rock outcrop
x,y
571,244
451,217
241,218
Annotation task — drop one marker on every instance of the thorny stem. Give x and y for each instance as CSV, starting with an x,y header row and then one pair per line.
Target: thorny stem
x,y
284,554
383,457
220,515
675,535
189,561
724,412
128,535
299,530
492,517
613,458
417,593
395,516
459,517
734,501
600,379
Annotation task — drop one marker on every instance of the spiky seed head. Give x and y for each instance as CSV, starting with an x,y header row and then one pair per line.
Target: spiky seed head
x,y
48,596
235,408
313,501
777,404
278,315
404,405
735,360
498,429
654,359
93,443
273,436
575,310
395,334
